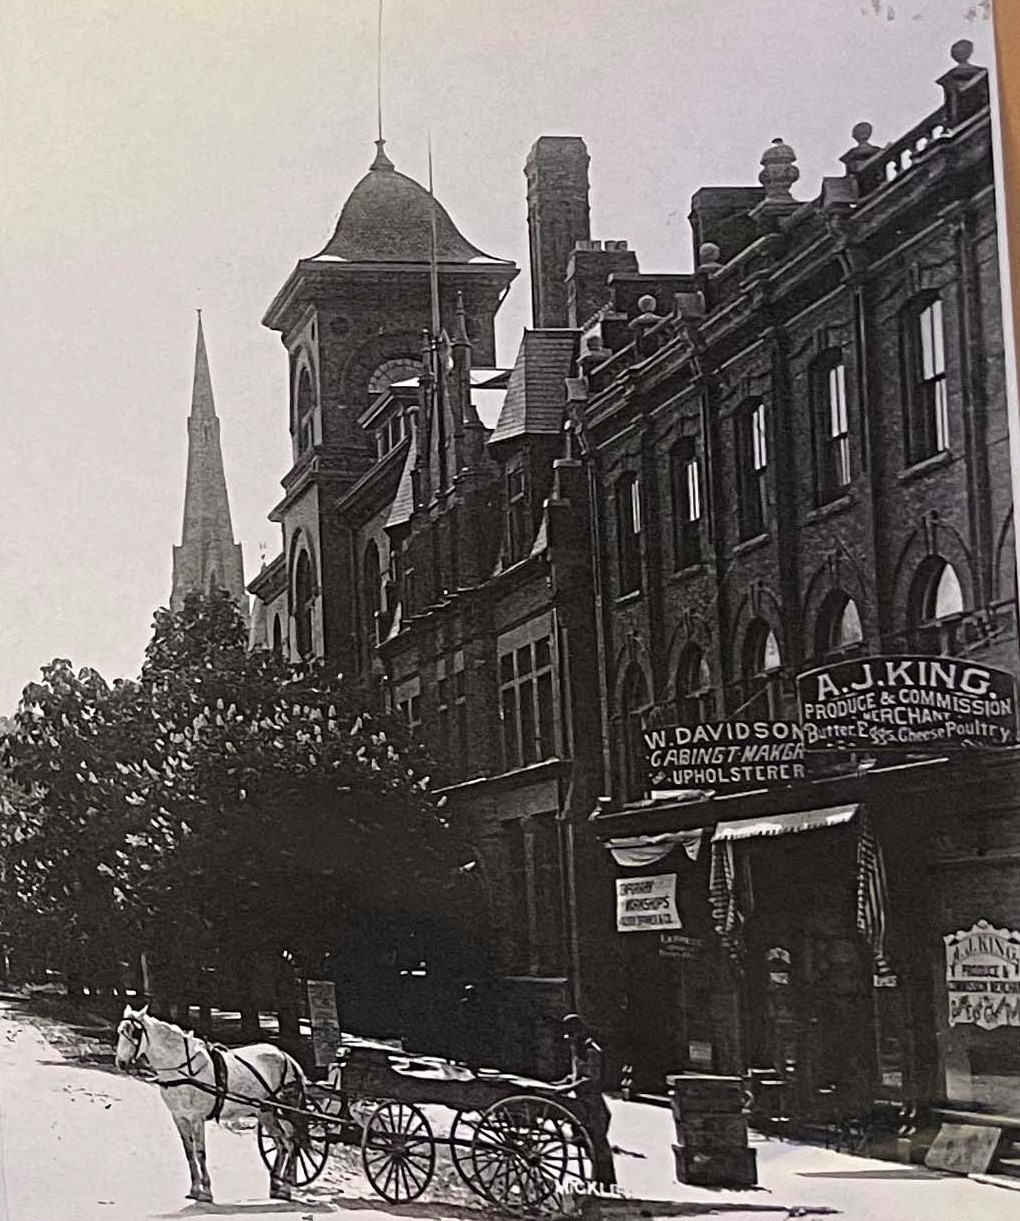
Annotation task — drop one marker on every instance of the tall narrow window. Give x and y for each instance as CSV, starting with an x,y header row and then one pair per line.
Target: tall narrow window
x,y
839,632
527,703
451,718
752,463
936,607
695,702
628,520
277,636
761,667
407,701
633,710
371,580
303,605
304,413
518,526
685,476
927,407
831,428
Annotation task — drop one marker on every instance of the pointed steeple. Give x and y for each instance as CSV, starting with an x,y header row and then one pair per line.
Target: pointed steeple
x,y
208,558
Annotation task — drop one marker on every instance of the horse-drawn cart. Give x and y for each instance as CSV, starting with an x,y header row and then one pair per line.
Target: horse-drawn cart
x,y
517,1143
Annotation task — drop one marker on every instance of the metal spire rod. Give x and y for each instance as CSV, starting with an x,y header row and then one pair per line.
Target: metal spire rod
x,y
433,253
378,70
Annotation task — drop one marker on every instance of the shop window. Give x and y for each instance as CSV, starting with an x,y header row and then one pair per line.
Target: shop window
x,y
518,515
633,711
926,401
685,478
451,713
752,469
936,607
527,702
761,668
839,632
831,428
303,599
304,413
695,700
628,529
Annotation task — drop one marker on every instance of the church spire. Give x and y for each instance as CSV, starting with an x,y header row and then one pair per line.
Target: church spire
x,y
208,558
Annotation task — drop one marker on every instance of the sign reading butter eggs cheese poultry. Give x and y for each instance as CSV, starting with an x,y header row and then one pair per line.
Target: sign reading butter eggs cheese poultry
x,y
913,703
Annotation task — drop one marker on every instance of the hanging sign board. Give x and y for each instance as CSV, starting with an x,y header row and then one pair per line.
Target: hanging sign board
x,y
910,703
983,976
726,756
646,904
324,1021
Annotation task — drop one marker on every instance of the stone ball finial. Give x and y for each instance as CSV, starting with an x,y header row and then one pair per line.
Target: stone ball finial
x,y
709,257
961,51
646,304
779,171
862,132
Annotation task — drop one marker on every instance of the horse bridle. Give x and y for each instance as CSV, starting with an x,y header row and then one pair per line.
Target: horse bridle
x,y
133,1029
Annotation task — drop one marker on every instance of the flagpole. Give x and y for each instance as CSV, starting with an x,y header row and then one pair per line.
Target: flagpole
x,y
378,70
433,256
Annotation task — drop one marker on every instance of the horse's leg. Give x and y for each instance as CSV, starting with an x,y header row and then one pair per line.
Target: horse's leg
x,y
278,1188
198,1128
188,1141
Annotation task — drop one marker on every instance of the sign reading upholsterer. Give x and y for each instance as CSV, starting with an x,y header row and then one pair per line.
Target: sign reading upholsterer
x,y
907,703
728,756
646,904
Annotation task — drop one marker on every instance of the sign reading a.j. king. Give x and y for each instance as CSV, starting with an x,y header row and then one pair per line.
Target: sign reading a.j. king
x,y
983,976
646,904
906,703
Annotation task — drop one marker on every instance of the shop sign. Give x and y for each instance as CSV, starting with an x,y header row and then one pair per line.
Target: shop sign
x,y
679,945
646,904
727,756
907,703
983,976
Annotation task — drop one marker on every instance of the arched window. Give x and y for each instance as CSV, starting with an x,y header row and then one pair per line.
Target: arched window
x,y
304,413
695,701
839,632
634,706
761,671
277,636
303,605
936,607
371,592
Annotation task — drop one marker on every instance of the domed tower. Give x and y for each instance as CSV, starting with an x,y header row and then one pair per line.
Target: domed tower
x,y
351,318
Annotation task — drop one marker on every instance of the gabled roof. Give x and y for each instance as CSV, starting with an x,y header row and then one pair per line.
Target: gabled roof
x,y
536,394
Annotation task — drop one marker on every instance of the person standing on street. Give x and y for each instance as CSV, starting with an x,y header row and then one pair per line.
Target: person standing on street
x,y
585,1082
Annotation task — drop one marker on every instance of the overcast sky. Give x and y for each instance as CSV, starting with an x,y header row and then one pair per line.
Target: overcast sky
x,y
157,155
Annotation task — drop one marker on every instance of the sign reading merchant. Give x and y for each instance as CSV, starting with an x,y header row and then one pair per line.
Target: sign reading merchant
x,y
725,755
646,904
983,976
906,703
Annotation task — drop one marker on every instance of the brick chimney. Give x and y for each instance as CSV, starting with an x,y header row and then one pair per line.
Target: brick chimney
x,y
588,270
558,218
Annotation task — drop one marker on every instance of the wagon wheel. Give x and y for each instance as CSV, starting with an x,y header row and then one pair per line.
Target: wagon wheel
x,y
462,1132
313,1149
398,1151
526,1149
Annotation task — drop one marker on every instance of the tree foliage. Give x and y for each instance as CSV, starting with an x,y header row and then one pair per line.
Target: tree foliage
x,y
220,801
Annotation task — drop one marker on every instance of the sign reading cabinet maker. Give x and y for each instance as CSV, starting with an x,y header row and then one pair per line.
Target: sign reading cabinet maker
x,y
983,976
907,703
646,904
728,756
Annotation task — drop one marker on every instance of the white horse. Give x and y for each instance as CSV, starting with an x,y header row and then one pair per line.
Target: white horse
x,y
196,1089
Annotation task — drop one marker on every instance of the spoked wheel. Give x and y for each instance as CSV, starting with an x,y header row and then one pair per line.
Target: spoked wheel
x,y
461,1138
313,1149
525,1150
398,1151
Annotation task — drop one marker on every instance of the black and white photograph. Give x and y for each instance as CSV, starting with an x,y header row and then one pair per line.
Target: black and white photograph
x,y
509,636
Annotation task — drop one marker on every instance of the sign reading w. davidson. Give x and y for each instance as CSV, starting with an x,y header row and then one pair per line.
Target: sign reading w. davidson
x,y
907,703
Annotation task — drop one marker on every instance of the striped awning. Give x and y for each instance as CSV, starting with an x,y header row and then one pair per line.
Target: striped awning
x,y
784,824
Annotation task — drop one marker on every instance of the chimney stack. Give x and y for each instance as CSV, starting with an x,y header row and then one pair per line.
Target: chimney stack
x,y
558,218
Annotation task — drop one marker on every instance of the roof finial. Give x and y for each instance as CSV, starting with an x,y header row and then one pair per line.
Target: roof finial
x,y
381,162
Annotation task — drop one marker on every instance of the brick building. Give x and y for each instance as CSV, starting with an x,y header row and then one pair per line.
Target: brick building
x,y
801,457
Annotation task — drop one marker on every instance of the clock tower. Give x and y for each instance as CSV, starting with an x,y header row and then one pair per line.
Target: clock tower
x,y
351,320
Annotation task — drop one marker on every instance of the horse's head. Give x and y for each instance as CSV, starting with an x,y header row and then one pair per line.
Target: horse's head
x,y
132,1035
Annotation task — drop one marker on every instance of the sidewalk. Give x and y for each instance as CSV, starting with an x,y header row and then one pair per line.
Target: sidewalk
x,y
795,1176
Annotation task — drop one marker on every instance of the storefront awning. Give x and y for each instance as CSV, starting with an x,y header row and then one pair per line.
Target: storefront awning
x,y
784,824
638,850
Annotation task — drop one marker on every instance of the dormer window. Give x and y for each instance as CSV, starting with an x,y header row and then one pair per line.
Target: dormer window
x,y
390,434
